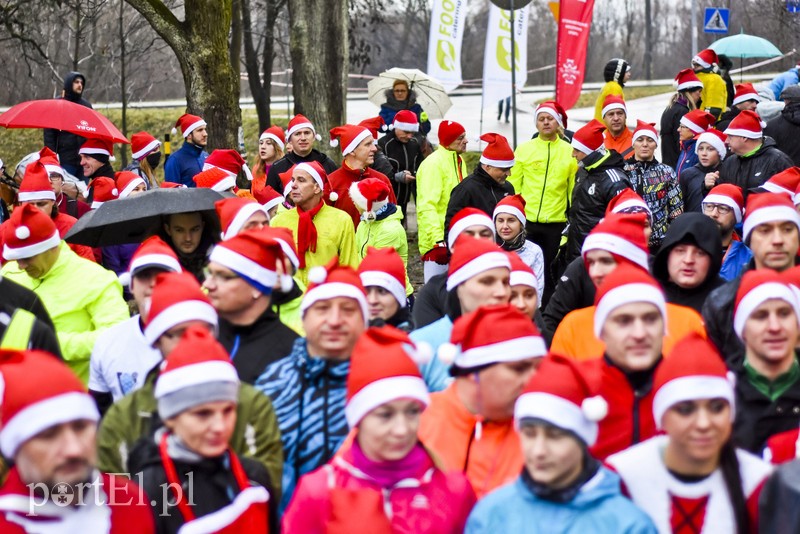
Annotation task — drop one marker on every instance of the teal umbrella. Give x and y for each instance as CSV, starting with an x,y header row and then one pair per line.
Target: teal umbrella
x,y
744,45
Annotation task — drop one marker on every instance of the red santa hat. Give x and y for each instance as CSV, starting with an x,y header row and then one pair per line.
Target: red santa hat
x,y
745,92
624,285
554,109
268,197
286,180
36,184
621,234
127,181
197,371
188,123
614,102
786,181
233,212
716,139
406,120
373,382
171,185
349,136
318,174
334,280
687,80
448,132
97,147
706,58
521,273
648,129
285,239
589,138
768,207
698,121
228,160
694,370
465,218
492,334
38,391
276,135
176,298
369,196
473,257
215,179
298,122
559,394
628,201
746,124
253,255
28,232
50,162
152,253
104,190
374,125
511,205
143,144
498,152
755,289
728,195
383,267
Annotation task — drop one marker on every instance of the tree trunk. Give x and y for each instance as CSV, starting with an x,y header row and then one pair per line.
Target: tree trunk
x,y
251,63
235,52
123,84
320,57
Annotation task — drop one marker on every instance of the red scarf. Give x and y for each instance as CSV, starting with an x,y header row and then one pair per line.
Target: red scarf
x,y
307,232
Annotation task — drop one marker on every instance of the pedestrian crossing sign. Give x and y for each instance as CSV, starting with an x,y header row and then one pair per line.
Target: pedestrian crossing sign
x,y
716,20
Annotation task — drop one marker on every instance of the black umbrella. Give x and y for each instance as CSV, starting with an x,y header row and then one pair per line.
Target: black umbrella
x,y
132,219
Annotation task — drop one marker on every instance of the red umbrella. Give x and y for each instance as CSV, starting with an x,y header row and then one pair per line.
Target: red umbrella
x,y
63,115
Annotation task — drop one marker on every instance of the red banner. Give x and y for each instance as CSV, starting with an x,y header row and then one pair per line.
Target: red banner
x,y
574,26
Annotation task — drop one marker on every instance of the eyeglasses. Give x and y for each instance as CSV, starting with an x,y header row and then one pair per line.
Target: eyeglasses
x,y
218,277
709,207
56,178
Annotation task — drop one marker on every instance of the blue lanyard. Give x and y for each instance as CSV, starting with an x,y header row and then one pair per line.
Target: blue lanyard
x,y
235,348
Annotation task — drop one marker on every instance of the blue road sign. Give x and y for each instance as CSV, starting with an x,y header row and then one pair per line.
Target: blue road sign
x,y
793,6
716,20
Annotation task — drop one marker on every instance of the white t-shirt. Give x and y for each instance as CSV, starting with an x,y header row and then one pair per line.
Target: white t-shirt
x,y
121,359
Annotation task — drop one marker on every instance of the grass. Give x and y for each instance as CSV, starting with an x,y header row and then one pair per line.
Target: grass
x,y
588,98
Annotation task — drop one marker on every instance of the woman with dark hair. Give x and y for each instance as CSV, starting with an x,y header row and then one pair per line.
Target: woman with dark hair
x,y
383,273
686,99
693,479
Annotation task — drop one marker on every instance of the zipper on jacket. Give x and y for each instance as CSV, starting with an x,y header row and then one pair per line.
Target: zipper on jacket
x,y
637,399
544,186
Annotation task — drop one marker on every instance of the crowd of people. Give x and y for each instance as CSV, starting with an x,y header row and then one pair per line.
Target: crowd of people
x,y
604,342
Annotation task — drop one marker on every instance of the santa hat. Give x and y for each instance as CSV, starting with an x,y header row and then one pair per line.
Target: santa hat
x,y
176,298
628,201
786,181
37,392
228,160
197,371
98,147
50,162
647,129
373,382
370,195
188,123
512,205
746,124
406,120
171,185
104,190
152,253
745,92
285,239
276,134
28,232
334,280
492,334
215,179
498,152
554,109
286,180
36,184
706,58
687,80
127,181
521,273
298,122
559,395
756,288
624,285
374,125
613,102
465,218
142,144
348,137
716,139
268,197
473,257
383,267
698,121
728,195
318,174
233,213
589,138
768,207
253,255
449,131
622,235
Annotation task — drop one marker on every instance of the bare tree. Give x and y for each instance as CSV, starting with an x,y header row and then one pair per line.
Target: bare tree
x,y
259,56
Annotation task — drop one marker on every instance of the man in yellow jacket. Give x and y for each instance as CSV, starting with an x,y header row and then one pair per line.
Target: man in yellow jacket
x,y
82,297
714,97
438,174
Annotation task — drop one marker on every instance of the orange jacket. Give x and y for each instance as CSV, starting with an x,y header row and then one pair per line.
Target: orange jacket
x,y
621,143
448,430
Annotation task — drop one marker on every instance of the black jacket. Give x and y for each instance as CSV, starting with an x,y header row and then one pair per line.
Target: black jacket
x,y
605,179
574,290
785,130
16,296
695,229
478,190
693,187
751,172
670,142
66,144
726,118
429,305
717,314
403,157
382,164
41,337
291,159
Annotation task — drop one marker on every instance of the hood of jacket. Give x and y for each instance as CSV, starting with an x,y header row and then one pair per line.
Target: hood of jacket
x,y
695,229
398,105
69,94
792,113
603,485
600,160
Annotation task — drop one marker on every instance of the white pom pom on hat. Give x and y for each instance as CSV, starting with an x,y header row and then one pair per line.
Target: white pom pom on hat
x,y
447,353
423,354
334,196
22,232
594,408
317,274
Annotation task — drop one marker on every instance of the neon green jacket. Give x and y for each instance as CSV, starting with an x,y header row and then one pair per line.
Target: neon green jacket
x,y
83,299
715,93
388,232
436,177
610,88
544,174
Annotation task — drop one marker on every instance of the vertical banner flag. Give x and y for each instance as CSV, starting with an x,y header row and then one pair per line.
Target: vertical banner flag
x,y
444,44
574,25
497,56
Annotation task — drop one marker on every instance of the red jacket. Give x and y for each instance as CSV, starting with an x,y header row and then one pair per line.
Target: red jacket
x,y
343,177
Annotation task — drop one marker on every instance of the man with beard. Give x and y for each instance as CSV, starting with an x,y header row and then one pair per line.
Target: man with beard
x,y
301,135
725,204
66,144
187,161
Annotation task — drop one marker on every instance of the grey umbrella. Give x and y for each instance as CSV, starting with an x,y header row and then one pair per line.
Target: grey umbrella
x,y
132,219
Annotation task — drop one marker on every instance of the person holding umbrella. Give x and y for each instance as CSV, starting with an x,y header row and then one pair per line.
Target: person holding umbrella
x,y
401,97
63,143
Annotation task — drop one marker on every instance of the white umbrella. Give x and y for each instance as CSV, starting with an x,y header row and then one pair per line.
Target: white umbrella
x,y
430,93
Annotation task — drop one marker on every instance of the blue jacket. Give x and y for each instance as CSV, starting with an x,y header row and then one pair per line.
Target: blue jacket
x,y
687,158
735,260
599,508
783,80
435,372
184,164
